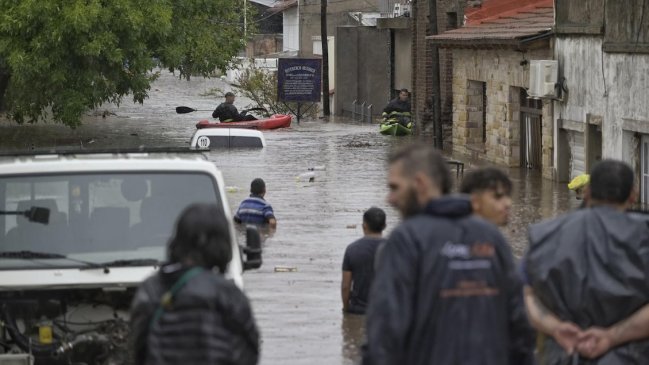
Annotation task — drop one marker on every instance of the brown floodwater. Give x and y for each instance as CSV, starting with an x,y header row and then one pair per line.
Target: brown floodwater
x,y
298,312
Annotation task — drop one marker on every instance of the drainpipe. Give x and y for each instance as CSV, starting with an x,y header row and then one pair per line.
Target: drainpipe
x,y
326,111
435,77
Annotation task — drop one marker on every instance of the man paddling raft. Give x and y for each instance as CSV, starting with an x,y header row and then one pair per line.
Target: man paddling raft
x,y
227,112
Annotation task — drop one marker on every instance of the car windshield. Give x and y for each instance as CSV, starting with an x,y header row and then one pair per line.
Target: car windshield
x,y
97,217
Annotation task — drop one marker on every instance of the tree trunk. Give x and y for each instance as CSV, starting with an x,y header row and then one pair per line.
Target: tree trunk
x,y
326,111
435,76
4,83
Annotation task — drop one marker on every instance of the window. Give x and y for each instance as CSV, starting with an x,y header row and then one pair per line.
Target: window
x,y
98,217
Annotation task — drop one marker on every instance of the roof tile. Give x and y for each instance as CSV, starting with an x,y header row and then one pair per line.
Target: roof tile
x,y
511,20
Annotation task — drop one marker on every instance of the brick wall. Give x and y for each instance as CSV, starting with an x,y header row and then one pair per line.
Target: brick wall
x,y
421,68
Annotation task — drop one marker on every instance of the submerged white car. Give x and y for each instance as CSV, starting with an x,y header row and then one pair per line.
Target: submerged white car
x,y
78,233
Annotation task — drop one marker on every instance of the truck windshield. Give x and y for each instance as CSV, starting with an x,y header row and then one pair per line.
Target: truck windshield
x,y
97,217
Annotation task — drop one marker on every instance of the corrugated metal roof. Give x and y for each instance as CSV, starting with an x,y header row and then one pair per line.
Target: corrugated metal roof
x,y
504,22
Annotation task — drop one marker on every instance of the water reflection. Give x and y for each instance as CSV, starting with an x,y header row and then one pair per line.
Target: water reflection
x,y
352,329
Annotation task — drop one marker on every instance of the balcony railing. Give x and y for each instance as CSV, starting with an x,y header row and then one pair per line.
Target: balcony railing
x,y
394,8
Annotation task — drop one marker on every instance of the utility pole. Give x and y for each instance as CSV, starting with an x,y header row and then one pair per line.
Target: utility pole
x,y
435,77
326,110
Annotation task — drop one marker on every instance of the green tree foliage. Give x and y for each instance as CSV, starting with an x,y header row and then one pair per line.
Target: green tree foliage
x,y
260,86
60,58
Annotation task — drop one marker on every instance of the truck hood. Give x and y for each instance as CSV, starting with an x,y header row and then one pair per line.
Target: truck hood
x,y
117,277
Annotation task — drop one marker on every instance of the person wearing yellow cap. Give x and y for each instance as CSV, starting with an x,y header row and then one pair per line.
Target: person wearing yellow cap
x,y
578,184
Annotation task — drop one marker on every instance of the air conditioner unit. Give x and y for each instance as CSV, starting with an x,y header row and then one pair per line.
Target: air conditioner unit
x,y
543,77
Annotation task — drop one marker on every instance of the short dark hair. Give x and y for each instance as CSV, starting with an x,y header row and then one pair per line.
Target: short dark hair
x,y
611,181
419,157
486,178
229,93
374,218
404,91
203,237
257,186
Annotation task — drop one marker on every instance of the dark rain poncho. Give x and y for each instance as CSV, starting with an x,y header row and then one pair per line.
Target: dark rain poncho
x,y
446,292
591,267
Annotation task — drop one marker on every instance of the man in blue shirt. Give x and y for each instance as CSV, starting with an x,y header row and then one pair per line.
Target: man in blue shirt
x,y
256,210
358,262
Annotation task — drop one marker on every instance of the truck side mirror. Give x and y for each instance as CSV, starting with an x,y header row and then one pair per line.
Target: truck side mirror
x,y
252,249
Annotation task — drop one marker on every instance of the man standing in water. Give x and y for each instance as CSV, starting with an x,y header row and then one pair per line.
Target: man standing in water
x,y
588,284
255,209
446,291
358,262
227,112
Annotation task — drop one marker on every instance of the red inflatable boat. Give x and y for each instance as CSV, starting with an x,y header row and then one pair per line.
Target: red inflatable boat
x,y
274,122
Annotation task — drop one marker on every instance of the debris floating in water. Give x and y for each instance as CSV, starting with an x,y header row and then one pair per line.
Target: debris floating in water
x,y
232,189
285,269
357,144
306,177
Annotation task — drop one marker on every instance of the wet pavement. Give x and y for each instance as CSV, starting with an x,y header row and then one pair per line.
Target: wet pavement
x,y
299,312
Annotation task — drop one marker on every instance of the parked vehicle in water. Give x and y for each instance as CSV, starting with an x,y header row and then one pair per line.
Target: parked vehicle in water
x,y
227,138
79,232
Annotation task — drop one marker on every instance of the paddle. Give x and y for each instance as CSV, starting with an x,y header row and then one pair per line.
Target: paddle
x,y
186,109
258,109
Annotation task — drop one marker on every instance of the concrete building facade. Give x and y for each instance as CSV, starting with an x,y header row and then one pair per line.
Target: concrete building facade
x,y
363,68
603,55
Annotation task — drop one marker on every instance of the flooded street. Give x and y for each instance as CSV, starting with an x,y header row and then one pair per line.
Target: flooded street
x,y
298,313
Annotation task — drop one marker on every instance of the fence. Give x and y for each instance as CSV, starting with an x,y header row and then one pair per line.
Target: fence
x,y
361,112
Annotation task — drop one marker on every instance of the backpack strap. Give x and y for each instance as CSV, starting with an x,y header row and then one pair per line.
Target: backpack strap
x,y
167,298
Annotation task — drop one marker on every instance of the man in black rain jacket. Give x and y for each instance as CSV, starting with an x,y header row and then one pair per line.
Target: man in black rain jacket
x,y
588,277
227,112
446,289
400,104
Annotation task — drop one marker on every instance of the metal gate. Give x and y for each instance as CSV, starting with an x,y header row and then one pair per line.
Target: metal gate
x,y
644,169
531,140
577,153
531,132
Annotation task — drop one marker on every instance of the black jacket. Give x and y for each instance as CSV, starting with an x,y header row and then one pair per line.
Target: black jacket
x,y
210,322
446,291
227,112
396,105
591,267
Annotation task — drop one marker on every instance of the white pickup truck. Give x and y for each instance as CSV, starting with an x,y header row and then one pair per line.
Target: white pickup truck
x,y
78,233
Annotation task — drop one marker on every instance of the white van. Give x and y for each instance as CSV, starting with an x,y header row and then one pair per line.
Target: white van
x,y
79,232
210,138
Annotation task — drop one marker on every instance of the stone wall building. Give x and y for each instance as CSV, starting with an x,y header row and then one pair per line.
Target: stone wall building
x,y
493,119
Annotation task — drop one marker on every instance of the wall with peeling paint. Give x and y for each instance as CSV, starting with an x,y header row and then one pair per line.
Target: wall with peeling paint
x,y
611,89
